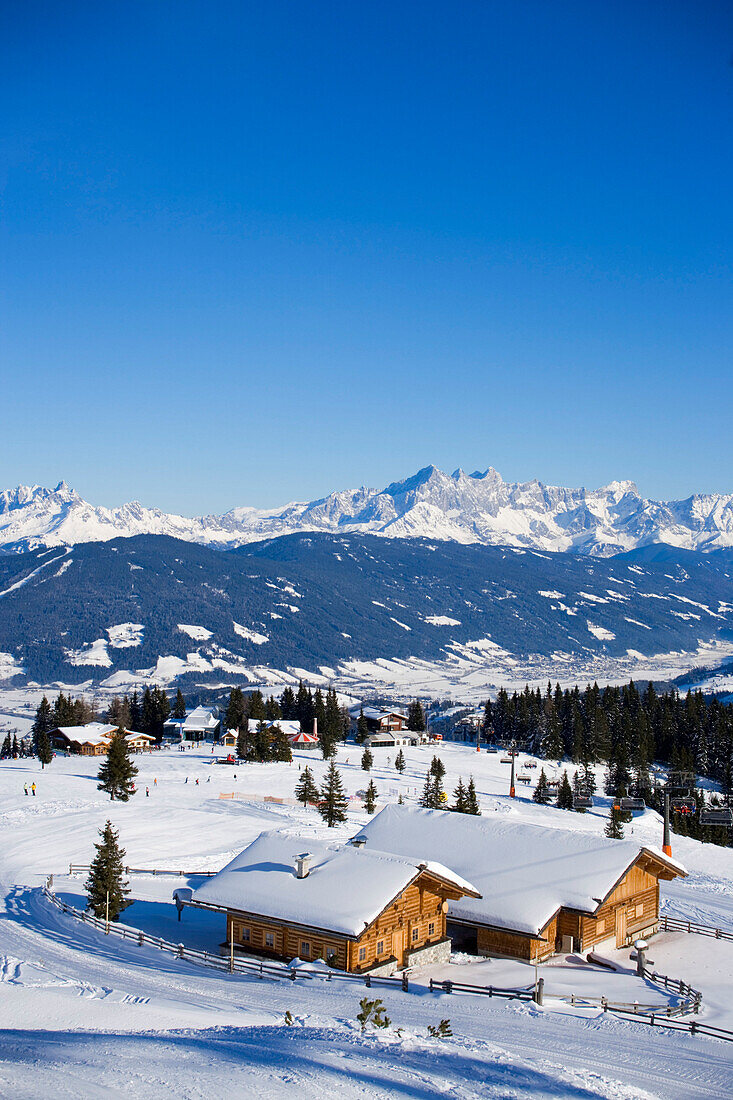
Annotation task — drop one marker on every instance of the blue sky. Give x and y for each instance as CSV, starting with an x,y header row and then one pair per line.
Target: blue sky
x,y
253,252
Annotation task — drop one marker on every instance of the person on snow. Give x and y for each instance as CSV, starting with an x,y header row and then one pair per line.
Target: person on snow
x,y
33,788
147,792
25,790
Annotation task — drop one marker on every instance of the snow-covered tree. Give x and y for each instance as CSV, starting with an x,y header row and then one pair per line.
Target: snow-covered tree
x,y
333,802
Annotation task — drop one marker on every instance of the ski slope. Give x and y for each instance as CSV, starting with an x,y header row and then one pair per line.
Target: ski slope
x,y
87,1015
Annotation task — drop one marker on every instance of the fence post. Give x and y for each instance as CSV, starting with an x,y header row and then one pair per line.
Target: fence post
x,y
604,1002
447,987
140,939
180,950
405,986
293,974
368,981
539,993
693,1027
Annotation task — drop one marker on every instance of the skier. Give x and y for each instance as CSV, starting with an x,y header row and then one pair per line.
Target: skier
x,y
147,792
186,780
197,782
33,788
25,790
155,781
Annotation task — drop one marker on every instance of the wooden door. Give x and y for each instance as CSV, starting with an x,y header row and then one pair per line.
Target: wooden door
x,y
398,946
621,926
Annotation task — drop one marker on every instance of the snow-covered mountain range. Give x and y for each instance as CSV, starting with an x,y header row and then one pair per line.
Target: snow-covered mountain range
x,y
466,508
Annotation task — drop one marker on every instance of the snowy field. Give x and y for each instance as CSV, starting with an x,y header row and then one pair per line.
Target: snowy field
x,y
87,1015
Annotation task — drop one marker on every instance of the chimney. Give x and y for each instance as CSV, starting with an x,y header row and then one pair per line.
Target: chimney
x,y
302,865
358,842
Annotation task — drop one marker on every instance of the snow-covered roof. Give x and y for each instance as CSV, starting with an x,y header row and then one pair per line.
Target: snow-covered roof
x,y
93,733
199,718
289,726
96,733
347,887
376,713
524,872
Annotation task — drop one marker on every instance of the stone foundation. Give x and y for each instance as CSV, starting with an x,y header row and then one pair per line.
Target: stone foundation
x,y
431,955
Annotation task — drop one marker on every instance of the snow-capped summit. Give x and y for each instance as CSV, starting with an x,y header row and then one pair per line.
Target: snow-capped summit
x,y
479,507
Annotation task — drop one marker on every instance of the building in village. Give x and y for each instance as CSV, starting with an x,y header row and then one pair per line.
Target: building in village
x,y
543,890
355,908
289,727
93,739
200,724
387,728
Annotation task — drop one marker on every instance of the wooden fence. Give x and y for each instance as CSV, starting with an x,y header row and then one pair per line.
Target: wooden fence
x,y
79,868
672,924
648,1014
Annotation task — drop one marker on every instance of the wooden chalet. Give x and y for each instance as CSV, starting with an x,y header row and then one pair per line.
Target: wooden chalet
x,y
357,910
543,890
94,738
90,740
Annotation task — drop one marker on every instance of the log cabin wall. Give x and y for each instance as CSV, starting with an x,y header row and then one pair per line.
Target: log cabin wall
x,y
415,919
641,908
496,941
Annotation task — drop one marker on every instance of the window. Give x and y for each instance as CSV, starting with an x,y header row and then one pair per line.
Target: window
x,y
269,939
431,928
380,947
305,949
245,935
640,910
601,926
362,954
415,934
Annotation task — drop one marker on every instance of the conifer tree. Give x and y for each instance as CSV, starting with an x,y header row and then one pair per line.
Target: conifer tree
x,y
272,709
7,747
287,705
362,728
117,772
415,716
433,796
280,746
43,722
437,767
367,760
261,743
565,793
471,799
399,762
306,790
106,886
179,707
370,797
333,802
614,826
235,715
45,751
541,792
135,713
460,804
243,740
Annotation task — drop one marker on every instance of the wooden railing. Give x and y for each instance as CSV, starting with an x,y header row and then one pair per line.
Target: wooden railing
x,y
649,1014
79,868
672,924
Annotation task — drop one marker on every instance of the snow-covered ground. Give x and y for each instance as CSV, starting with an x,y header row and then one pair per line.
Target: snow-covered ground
x,y
83,1014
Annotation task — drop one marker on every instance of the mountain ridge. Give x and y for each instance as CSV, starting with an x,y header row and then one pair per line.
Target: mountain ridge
x,y
467,508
